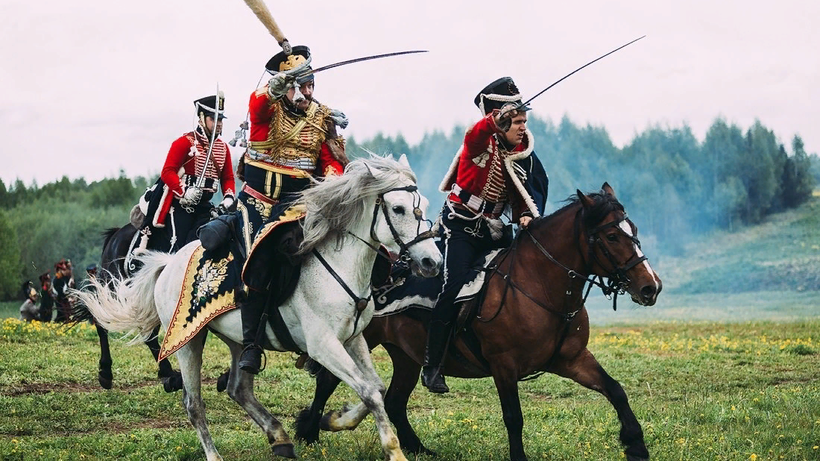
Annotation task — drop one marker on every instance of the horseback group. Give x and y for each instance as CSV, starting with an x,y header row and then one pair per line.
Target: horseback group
x,y
289,262
52,295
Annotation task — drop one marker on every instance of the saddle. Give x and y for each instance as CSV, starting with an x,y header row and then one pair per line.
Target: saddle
x,y
416,297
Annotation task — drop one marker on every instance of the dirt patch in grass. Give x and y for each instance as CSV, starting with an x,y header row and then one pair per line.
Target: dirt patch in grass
x,y
25,388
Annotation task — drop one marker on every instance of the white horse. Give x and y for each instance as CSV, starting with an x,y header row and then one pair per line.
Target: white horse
x,y
29,310
374,202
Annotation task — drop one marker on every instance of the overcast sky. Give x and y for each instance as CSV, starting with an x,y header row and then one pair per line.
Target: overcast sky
x,y
89,87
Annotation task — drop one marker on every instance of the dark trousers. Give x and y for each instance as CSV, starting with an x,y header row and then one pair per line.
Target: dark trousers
x,y
464,242
184,226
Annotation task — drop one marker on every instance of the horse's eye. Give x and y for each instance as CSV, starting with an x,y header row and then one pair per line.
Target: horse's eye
x,y
612,237
398,209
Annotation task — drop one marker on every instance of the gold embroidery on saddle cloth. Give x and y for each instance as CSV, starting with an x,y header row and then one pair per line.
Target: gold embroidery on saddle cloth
x,y
294,140
293,213
198,286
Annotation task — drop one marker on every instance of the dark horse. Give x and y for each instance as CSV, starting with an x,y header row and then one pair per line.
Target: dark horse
x,y
530,319
115,248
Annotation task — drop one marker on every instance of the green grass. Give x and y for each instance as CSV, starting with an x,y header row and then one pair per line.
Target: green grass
x,y
701,390
723,367
10,309
781,254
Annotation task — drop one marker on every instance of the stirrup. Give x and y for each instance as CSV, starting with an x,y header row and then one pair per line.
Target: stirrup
x,y
263,359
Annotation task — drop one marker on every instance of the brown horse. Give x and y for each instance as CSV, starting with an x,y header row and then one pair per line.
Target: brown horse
x,y
531,319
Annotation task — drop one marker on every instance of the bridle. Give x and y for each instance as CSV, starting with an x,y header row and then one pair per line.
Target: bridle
x,y
417,213
617,283
359,302
618,280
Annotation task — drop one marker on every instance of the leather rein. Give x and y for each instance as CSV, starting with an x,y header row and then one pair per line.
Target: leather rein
x,y
359,302
617,282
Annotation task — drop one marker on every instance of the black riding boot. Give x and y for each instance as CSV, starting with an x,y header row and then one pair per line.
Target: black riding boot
x,y
438,335
252,310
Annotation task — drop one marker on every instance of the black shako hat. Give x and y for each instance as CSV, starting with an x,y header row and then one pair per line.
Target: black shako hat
x,y
496,94
300,56
208,105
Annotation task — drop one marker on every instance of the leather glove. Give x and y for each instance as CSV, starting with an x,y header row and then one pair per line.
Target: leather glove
x,y
503,117
227,205
228,202
339,118
278,85
191,197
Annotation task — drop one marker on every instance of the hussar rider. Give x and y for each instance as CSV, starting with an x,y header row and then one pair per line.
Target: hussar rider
x,y
293,139
198,163
495,170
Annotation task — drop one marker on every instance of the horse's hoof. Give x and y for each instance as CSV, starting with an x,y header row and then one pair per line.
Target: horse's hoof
x,y
222,381
421,450
326,424
172,383
106,380
284,450
637,453
306,431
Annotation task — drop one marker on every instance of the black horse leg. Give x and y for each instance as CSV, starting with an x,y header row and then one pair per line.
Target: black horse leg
x,y
586,371
104,374
507,385
404,380
309,419
171,380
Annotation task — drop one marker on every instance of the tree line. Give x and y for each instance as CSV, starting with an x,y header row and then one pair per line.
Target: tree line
x,y
673,185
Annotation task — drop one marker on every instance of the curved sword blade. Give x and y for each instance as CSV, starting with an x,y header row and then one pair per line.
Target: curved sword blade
x,y
576,70
365,58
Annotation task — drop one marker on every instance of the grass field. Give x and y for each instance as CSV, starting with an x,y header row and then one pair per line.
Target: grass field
x,y
701,390
724,367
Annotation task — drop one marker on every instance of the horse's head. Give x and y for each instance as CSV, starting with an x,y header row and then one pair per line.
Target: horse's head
x,y
375,198
30,292
612,248
400,223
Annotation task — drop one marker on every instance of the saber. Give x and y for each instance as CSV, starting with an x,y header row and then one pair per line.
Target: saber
x,y
263,14
201,180
365,58
523,104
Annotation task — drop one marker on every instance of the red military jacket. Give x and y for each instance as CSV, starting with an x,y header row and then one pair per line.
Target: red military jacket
x,y
486,171
188,155
290,141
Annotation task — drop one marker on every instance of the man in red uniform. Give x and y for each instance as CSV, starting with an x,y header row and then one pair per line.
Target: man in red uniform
x,y
495,170
293,139
180,201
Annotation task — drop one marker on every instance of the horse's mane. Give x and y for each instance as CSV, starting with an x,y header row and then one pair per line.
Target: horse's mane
x,y
107,234
334,204
603,204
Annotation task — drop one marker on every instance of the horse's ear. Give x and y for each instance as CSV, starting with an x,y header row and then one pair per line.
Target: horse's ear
x,y
608,189
585,201
403,161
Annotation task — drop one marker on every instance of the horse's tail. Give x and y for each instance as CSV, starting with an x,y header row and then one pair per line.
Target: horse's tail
x,y
127,305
